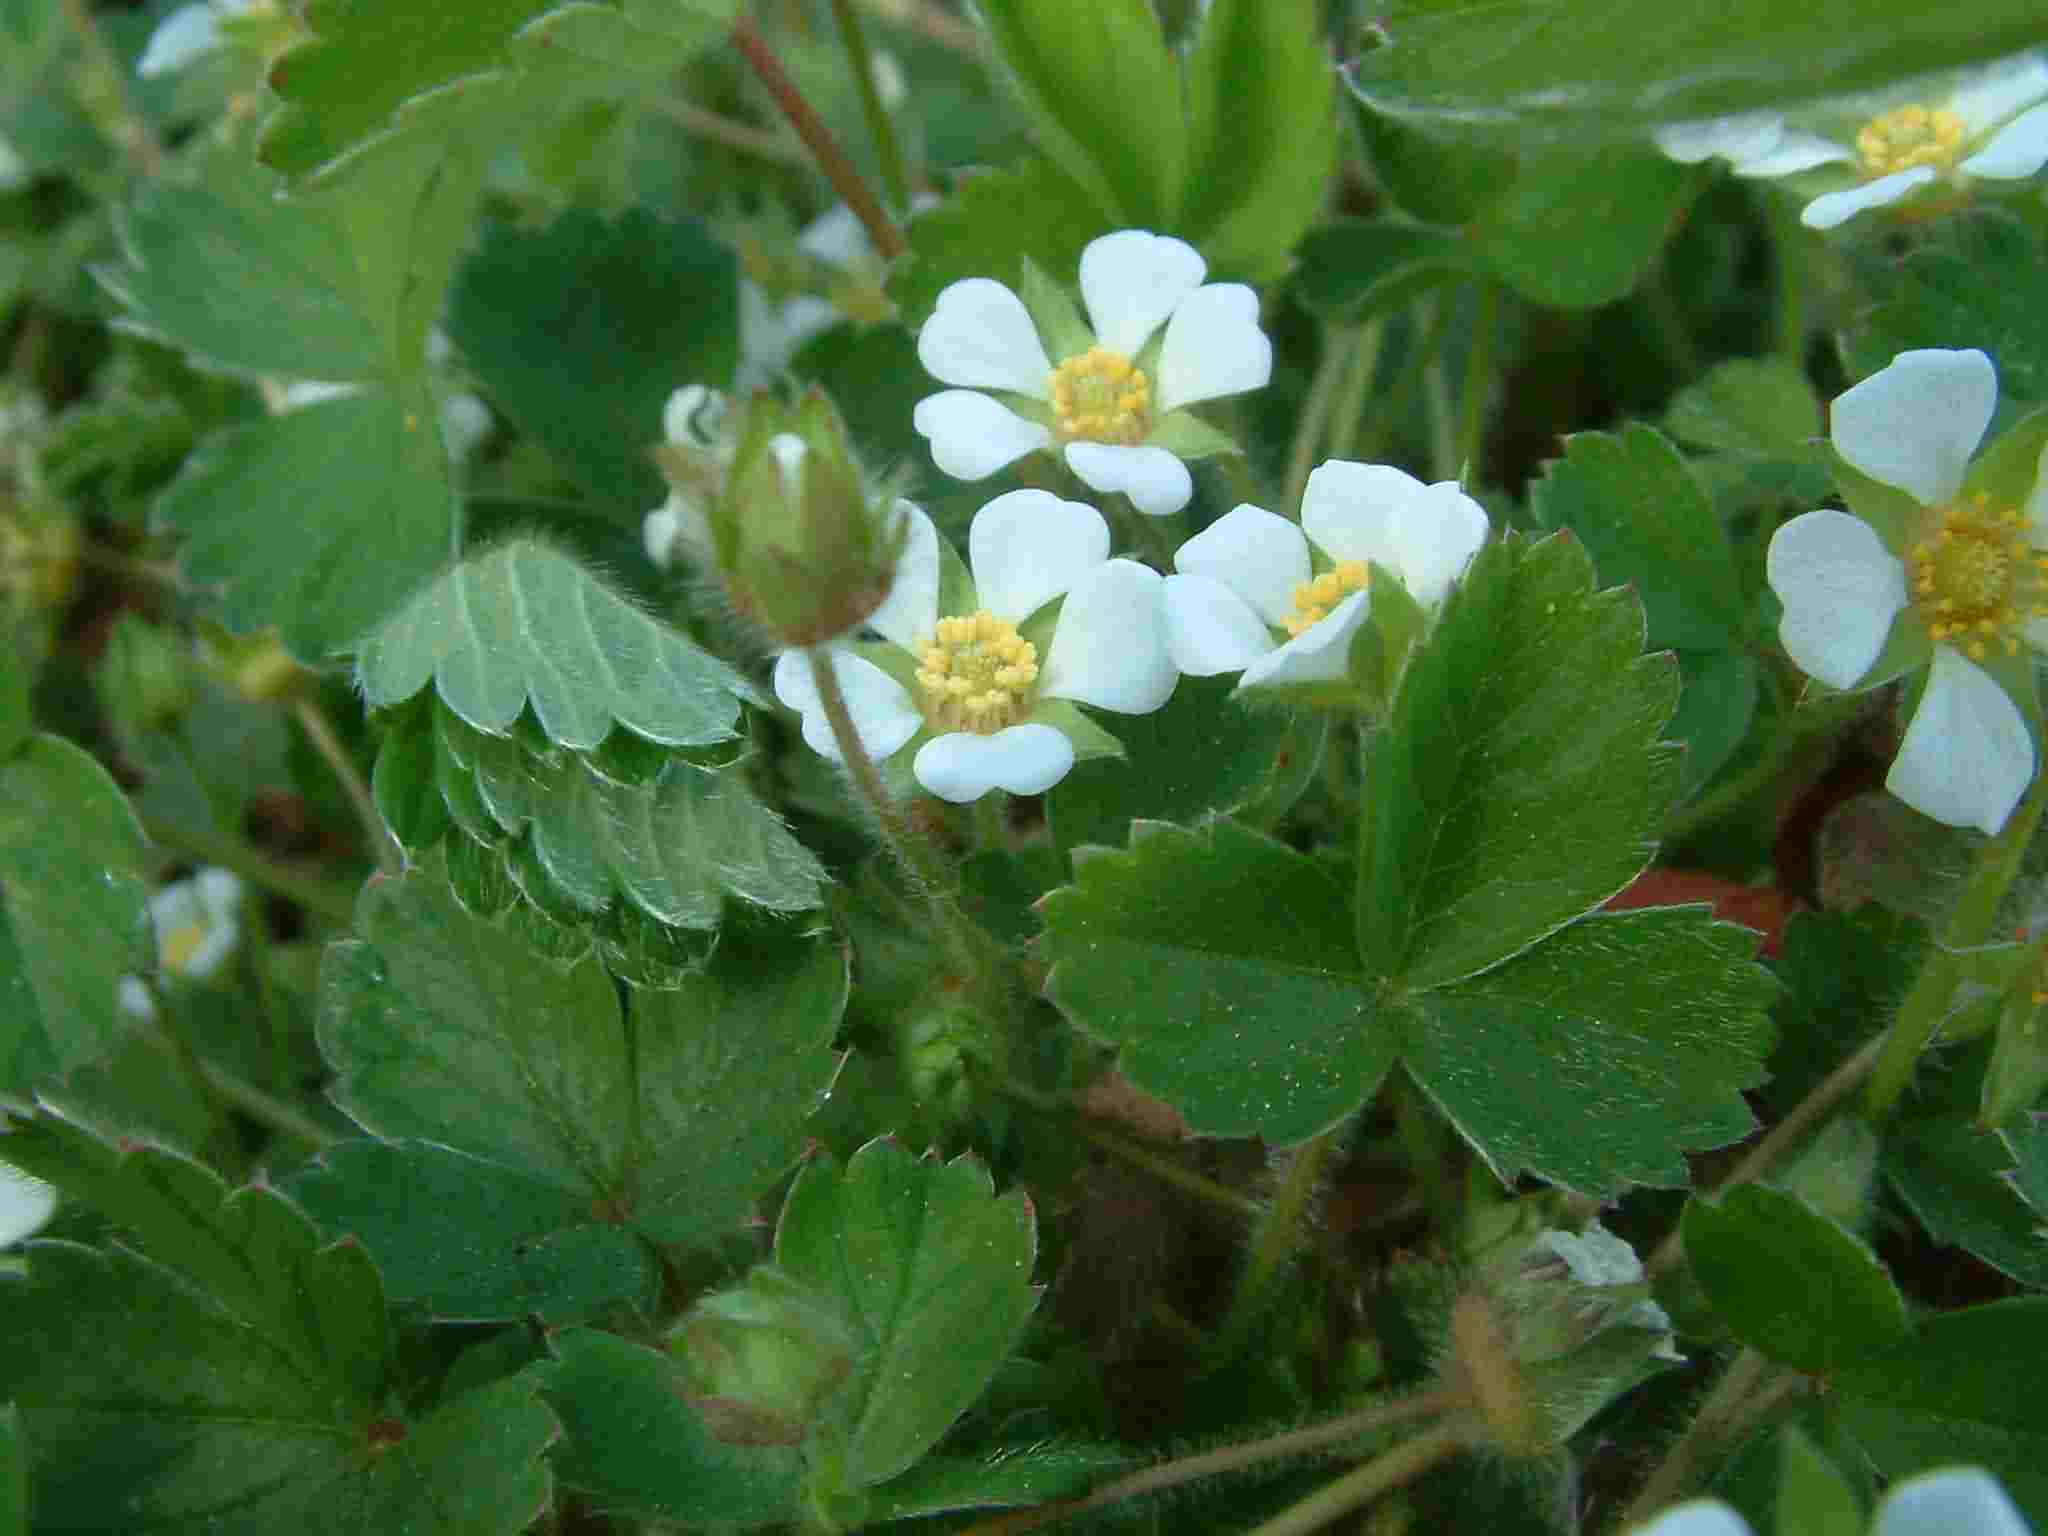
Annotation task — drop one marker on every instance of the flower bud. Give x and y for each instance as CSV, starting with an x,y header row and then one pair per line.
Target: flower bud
x,y
255,666
762,1361
38,557
146,679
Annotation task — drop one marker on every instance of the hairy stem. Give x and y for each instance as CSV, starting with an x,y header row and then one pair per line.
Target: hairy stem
x,y
1749,1389
1360,1487
895,178
320,731
1274,1243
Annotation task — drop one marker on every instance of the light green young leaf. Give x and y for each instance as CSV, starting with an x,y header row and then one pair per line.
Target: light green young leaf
x,y
1223,962
72,902
1598,1058
1519,782
524,623
932,1275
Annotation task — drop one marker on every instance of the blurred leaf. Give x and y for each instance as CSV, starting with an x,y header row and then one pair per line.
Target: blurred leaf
x,y
1647,523
1578,228
633,1442
2027,1141
1789,1282
993,222
1223,962
15,721
1953,1177
874,378
671,1119
932,1275
1262,132
1972,286
1353,269
1751,408
14,1486
1715,707
1010,1477
1814,1498
471,1241
1596,1059
72,905
581,329
1519,782
1558,67
524,623
1437,176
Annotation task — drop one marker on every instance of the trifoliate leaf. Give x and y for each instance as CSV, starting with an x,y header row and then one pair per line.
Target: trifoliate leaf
x,y
444,1027
1971,286
932,1275
1789,1282
1519,782
72,905
524,623
1223,962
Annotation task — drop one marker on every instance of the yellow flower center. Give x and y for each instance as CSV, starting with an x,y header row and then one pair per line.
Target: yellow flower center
x,y
1313,600
1908,136
1976,576
976,674
175,948
1100,396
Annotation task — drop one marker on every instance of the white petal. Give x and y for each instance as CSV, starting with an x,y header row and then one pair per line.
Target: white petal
x,y
911,611
1966,758
1916,421
1213,347
1793,153
1355,511
134,1000
1132,280
300,393
1701,1517
1260,557
1156,481
465,423
1027,547
802,317
1437,546
1986,97
972,435
1210,629
179,38
1110,647
1319,654
694,417
1832,208
219,891
659,532
837,238
1024,759
25,1204
884,714
1841,589
2018,149
1739,138
980,335
1961,1501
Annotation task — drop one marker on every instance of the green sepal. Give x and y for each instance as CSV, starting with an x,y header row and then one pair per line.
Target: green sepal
x,y
2008,472
1090,740
1889,510
1186,436
1053,311
1907,649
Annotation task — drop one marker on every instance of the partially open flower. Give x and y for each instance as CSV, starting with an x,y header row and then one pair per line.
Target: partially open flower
x,y
979,676
1257,594
1111,395
1951,575
1873,151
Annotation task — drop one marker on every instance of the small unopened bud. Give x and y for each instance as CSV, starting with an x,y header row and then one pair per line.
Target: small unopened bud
x,y
146,679
255,666
762,1361
38,557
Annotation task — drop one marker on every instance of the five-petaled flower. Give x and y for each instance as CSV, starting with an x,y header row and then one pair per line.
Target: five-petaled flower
x,y
1956,1501
1252,594
197,923
1111,395
981,674
1950,574
1870,152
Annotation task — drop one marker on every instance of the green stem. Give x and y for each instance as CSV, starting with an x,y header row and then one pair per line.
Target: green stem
x,y
1792,269
1358,376
217,1083
895,178
320,731
733,134
1382,1474
1933,994
314,894
1478,382
1315,415
1274,1243
1436,399
845,177
1749,1389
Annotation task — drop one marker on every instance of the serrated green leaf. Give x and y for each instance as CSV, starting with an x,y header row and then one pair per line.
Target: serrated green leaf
x,y
931,1273
318,521
1104,99
580,330
1647,523
1006,1478
1964,1388
1596,1059
1715,707
1751,408
1555,67
443,1027
633,1442
1353,269
1223,963
1952,1176
1789,1282
1518,783
990,226
1972,286
72,903
1579,227
1262,132
525,623
471,1241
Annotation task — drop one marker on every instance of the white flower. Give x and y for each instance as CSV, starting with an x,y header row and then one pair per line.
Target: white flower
x,y
1247,596
1963,578
985,686
186,33
197,923
1115,399
1960,1501
26,1202
1989,123
696,420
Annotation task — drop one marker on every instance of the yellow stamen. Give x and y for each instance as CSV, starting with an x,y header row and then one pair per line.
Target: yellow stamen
x,y
1975,577
176,948
1908,136
976,674
1100,396
1313,600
